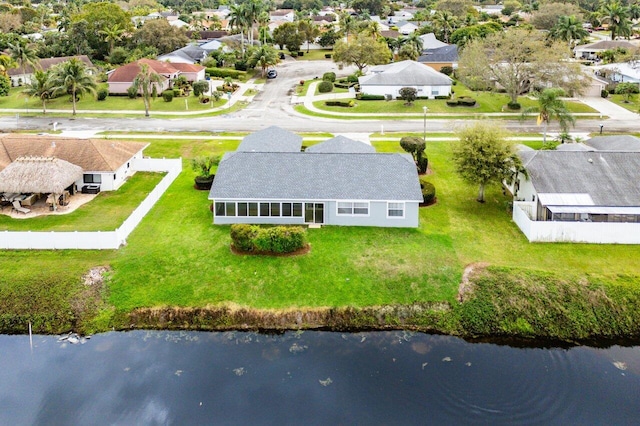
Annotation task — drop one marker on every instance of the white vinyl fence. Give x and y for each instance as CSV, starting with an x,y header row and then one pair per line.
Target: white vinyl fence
x,y
99,240
574,232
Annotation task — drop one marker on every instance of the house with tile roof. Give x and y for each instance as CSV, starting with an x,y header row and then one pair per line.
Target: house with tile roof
x,y
120,79
105,163
387,80
579,196
329,185
21,75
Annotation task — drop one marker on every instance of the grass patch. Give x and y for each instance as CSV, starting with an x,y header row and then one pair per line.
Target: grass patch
x,y
633,104
106,212
178,258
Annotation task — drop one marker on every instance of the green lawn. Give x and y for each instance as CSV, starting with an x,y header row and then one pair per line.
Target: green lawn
x,y
632,105
17,99
106,212
177,257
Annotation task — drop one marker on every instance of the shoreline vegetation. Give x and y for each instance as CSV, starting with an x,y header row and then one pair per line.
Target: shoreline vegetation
x,y
177,271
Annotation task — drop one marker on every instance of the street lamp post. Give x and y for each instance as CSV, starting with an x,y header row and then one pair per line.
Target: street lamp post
x,y
424,127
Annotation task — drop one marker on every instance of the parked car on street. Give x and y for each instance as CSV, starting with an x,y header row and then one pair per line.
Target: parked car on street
x,y
272,73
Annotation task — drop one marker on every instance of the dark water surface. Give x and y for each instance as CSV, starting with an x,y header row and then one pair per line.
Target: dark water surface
x,y
311,378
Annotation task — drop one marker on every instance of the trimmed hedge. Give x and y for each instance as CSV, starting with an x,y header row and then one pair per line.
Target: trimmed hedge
x,y
513,105
462,101
366,97
329,76
225,72
346,104
277,239
428,191
167,95
102,94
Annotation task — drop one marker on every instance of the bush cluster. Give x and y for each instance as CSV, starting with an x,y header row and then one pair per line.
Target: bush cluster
x,y
167,95
224,72
277,239
132,92
102,94
346,104
514,105
604,93
462,101
325,86
428,191
446,70
329,76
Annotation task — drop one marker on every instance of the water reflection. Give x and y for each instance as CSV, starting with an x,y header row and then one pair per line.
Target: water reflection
x,y
311,378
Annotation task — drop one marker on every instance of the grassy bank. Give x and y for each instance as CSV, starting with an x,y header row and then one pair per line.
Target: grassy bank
x,y
177,271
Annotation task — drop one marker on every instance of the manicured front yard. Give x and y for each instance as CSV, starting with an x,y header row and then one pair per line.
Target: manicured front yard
x,y
632,105
177,257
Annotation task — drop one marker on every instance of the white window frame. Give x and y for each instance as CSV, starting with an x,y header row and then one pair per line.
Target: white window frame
x,y
353,208
401,203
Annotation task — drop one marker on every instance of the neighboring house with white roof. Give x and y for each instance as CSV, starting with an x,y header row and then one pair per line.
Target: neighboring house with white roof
x,y
580,196
270,181
590,51
23,75
190,54
406,28
282,15
625,72
179,23
429,41
389,79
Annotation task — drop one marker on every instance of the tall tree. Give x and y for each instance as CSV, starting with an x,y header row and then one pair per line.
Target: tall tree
x,y
158,33
516,58
98,17
40,87
546,17
550,107
309,31
617,16
287,35
483,155
6,63
144,82
264,56
347,24
23,55
361,52
569,28
445,23
72,77
238,19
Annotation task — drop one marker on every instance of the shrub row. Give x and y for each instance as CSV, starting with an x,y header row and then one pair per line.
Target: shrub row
x,y
346,104
277,239
462,101
224,72
366,97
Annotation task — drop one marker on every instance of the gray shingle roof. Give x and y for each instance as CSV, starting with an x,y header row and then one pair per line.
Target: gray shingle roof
x,y
316,176
610,178
405,73
615,143
341,144
271,139
440,54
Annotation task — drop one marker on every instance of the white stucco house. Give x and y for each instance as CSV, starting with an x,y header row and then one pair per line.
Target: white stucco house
x,y
389,79
625,72
589,196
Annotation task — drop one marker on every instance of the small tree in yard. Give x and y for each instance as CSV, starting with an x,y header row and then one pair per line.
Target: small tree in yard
x,y
626,90
484,156
409,94
416,146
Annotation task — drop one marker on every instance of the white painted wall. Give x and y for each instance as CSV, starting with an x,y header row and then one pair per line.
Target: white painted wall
x,y
423,91
575,232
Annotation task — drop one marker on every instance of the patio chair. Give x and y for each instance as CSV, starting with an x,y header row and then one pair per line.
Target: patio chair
x,y
17,207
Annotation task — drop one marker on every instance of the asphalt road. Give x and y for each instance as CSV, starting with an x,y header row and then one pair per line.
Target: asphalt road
x,y
273,106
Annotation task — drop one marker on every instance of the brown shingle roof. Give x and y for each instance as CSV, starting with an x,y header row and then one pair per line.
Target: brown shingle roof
x,y
187,67
96,155
127,73
47,63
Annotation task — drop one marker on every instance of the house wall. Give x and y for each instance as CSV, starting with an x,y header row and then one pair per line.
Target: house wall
x,y
438,65
576,232
114,180
121,87
377,216
194,76
423,91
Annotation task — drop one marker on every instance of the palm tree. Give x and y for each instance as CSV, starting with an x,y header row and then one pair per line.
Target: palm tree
x,y
346,24
40,87
265,56
23,55
445,23
112,35
550,106
72,77
238,19
569,28
6,62
617,16
263,25
373,29
144,83
415,40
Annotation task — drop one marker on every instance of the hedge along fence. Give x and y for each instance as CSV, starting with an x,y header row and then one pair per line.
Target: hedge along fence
x,y
224,72
276,239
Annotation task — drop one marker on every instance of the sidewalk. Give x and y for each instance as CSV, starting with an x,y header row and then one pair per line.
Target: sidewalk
x,y
605,108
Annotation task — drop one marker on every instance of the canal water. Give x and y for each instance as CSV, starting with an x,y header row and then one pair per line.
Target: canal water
x,y
309,378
